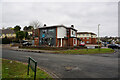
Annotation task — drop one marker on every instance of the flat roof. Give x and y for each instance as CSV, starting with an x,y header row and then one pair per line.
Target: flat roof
x,y
86,33
44,27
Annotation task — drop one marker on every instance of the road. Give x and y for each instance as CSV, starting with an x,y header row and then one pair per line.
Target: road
x,y
71,66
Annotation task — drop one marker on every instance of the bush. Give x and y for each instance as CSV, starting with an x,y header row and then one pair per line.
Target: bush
x,y
51,48
6,40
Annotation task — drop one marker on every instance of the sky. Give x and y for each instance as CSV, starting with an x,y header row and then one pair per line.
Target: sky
x,y
85,16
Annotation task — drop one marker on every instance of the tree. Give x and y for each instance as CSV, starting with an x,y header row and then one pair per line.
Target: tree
x,y
25,28
36,24
9,27
6,40
17,28
26,35
20,35
30,27
3,27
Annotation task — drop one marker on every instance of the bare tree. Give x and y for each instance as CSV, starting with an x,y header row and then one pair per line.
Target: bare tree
x,y
36,24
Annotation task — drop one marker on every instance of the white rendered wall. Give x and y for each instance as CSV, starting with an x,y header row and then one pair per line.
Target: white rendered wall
x,y
61,32
86,35
74,33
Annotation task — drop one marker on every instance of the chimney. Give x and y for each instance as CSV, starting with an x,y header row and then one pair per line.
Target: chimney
x,y
72,26
44,24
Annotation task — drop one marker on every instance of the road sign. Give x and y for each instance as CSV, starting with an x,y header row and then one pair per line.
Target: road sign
x,y
33,65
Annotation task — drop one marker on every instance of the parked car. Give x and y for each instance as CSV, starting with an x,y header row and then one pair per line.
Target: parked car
x,y
114,46
82,44
26,44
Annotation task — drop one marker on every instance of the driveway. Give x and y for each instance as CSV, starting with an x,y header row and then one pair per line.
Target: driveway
x,y
70,66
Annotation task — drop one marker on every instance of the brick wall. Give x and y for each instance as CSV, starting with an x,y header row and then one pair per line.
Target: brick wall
x,y
36,41
91,40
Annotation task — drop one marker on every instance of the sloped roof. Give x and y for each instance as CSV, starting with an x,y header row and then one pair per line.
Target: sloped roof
x,y
8,31
86,33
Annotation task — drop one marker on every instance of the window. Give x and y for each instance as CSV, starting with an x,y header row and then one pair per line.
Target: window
x,y
72,32
87,34
87,38
44,31
83,34
87,41
74,41
50,31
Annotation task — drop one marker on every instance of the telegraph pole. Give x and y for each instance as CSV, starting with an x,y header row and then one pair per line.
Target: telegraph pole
x,y
98,37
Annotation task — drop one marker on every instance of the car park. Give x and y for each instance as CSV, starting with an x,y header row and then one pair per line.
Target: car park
x,y
82,44
114,46
26,44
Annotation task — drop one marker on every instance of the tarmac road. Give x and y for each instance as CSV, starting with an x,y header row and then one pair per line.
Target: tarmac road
x,y
70,66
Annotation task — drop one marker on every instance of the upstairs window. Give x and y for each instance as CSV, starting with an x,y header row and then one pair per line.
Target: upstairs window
x,y
72,32
51,31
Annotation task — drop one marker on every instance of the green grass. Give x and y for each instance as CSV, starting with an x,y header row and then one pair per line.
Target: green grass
x,y
13,69
85,51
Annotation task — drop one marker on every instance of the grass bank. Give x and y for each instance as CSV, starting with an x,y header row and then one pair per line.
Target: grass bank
x,y
13,69
49,48
72,50
86,51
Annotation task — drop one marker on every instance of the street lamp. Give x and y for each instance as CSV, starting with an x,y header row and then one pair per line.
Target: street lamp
x,y
98,37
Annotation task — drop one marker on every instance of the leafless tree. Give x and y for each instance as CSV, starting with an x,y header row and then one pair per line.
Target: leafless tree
x,y
36,24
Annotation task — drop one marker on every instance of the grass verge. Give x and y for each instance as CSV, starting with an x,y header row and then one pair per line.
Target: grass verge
x,y
14,69
86,51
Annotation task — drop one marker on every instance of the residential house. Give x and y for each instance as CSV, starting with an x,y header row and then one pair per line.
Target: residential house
x,y
58,36
30,32
7,33
87,37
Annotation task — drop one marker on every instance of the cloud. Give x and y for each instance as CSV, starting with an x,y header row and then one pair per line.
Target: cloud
x,y
84,15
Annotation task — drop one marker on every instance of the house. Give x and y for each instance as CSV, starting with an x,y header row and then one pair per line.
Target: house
x,y
30,32
87,37
7,33
57,35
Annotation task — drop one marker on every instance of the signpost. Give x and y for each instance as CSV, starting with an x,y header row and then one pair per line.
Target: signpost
x,y
33,65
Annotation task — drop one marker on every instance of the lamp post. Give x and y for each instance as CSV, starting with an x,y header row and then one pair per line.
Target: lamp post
x,y
98,37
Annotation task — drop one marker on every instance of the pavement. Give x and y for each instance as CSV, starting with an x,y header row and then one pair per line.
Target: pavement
x,y
70,66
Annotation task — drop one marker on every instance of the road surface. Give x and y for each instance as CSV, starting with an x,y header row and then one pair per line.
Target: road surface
x,y
71,66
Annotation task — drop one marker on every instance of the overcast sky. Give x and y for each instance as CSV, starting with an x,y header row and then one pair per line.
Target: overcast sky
x,y
85,16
